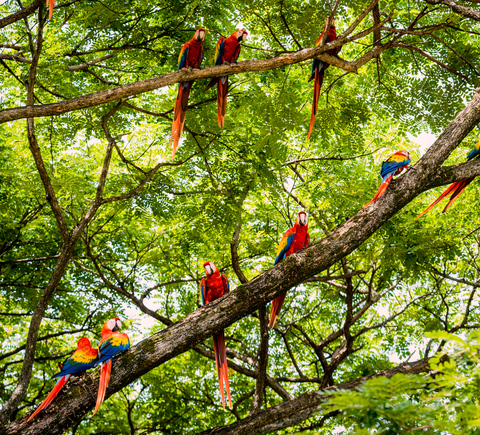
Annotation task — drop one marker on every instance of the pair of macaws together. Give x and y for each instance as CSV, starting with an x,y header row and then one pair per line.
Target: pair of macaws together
x,y
399,161
85,357
215,285
191,56
227,51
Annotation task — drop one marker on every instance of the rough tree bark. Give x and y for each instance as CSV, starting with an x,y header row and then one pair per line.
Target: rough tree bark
x,y
79,397
458,9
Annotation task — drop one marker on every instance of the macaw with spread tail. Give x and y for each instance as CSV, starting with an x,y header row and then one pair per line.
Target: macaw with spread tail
x,y
394,165
294,239
455,189
318,69
191,56
111,344
212,287
82,359
228,50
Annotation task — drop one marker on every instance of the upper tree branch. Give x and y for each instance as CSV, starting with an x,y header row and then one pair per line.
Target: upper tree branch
x,y
185,74
458,9
23,13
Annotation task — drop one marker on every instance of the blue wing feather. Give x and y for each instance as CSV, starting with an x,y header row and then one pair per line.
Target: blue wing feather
x,y
389,167
72,366
108,350
182,59
281,254
202,290
220,50
475,152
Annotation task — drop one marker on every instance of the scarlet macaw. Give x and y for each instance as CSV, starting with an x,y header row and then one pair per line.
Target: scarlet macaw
x,y
228,50
212,287
456,188
82,359
111,344
394,165
293,240
191,56
318,70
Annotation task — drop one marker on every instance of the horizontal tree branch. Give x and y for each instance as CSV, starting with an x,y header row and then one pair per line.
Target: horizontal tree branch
x,y
458,9
188,74
21,13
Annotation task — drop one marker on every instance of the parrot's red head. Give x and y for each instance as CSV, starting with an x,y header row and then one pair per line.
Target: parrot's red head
x,y
241,35
112,325
210,268
200,34
83,342
302,219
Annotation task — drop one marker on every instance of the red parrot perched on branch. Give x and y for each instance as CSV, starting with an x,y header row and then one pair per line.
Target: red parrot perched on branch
x,y
293,240
111,344
455,189
191,56
212,287
82,359
228,50
394,165
318,69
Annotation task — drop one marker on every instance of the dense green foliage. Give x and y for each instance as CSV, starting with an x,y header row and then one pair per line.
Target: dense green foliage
x,y
153,245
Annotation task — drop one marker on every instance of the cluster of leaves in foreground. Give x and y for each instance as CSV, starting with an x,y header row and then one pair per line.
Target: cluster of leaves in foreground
x,y
444,401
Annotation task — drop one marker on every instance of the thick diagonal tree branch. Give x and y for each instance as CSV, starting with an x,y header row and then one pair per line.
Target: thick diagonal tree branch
x,y
208,320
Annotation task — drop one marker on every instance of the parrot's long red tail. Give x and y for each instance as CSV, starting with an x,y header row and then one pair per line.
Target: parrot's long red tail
x,y
460,188
179,112
222,367
58,386
381,190
222,91
50,4
277,305
316,93
447,192
104,380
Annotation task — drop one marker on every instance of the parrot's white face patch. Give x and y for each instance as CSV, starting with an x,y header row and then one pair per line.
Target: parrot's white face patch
x,y
302,219
111,324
